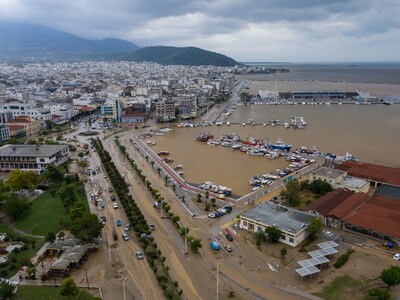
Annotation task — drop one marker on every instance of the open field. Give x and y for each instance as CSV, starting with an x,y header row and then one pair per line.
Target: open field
x,y
46,213
344,287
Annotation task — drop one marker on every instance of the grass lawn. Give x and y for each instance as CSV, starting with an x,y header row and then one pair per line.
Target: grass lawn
x,y
343,287
26,292
46,213
38,292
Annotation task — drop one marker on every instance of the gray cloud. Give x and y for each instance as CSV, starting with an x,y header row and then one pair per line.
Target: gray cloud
x,y
302,30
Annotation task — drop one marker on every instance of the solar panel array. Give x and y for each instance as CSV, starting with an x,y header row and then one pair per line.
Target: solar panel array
x,y
318,257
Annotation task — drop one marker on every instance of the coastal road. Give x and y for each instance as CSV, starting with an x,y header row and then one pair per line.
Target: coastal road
x,y
194,279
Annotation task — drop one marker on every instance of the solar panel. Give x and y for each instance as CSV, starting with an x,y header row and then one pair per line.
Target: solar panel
x,y
307,271
328,244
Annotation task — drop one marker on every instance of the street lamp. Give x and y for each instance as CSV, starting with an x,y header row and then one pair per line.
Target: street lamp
x,y
218,276
123,286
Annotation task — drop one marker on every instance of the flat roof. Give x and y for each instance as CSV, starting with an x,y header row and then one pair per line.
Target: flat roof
x,y
328,172
314,261
31,150
353,182
282,217
328,244
388,191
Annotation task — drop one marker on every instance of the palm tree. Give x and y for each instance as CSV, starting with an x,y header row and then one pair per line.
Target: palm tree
x,y
152,163
213,200
207,195
198,197
158,170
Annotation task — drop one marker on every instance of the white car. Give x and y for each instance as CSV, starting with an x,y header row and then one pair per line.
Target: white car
x,y
396,256
211,215
327,233
115,205
125,237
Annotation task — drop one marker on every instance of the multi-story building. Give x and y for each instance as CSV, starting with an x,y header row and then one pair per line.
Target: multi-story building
x,y
5,117
165,110
4,133
31,125
111,110
268,94
32,157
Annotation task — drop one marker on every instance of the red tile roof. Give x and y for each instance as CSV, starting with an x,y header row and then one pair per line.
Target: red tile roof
x,y
348,206
370,171
379,214
326,203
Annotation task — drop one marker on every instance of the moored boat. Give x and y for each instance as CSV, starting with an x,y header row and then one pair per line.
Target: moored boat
x,y
279,145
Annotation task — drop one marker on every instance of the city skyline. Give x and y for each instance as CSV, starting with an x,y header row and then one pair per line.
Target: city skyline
x,y
292,31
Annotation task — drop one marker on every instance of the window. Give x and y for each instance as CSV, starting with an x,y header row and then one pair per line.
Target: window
x,y
291,240
283,237
244,223
41,160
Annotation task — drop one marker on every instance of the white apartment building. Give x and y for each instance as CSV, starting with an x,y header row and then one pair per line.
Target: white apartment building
x,y
268,94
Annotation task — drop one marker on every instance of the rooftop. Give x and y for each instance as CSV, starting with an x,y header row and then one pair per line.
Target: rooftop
x,y
379,214
353,182
329,201
372,172
388,191
31,150
282,217
328,172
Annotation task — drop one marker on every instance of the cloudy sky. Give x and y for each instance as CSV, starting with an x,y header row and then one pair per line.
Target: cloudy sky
x,y
247,30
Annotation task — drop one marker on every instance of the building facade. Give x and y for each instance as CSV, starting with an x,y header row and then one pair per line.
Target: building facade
x,y
165,110
291,222
31,125
111,110
32,157
4,133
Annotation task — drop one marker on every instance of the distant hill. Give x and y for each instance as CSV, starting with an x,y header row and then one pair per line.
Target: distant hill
x,y
19,40
30,42
181,56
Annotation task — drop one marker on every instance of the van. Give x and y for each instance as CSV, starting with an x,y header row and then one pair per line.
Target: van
x,y
215,245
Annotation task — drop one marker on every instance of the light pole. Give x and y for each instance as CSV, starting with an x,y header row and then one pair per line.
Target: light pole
x,y
186,252
218,276
123,286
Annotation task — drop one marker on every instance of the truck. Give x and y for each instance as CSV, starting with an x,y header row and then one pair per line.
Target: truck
x,y
215,245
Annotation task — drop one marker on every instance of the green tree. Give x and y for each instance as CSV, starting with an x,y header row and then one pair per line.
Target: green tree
x,y
87,227
6,290
320,187
292,192
83,164
50,237
274,233
198,197
260,236
54,175
16,206
213,200
314,228
378,294
19,180
49,124
77,211
68,287
283,252
67,195
195,244
391,276
175,219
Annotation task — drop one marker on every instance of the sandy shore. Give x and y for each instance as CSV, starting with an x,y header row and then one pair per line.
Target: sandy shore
x,y
378,90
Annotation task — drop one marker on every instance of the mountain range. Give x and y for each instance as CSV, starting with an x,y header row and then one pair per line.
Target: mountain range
x,y
28,42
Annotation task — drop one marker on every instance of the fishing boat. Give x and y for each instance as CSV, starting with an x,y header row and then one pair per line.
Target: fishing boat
x,y
204,137
163,152
279,145
168,160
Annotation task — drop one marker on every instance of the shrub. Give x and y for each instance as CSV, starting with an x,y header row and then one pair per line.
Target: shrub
x,y
343,259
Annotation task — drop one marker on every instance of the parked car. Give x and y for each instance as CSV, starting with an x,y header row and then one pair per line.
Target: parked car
x,y
228,248
110,189
223,211
145,236
215,245
152,227
211,215
327,232
127,227
396,256
118,222
115,205
103,219
228,209
217,213
125,237
112,198
139,255
229,237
